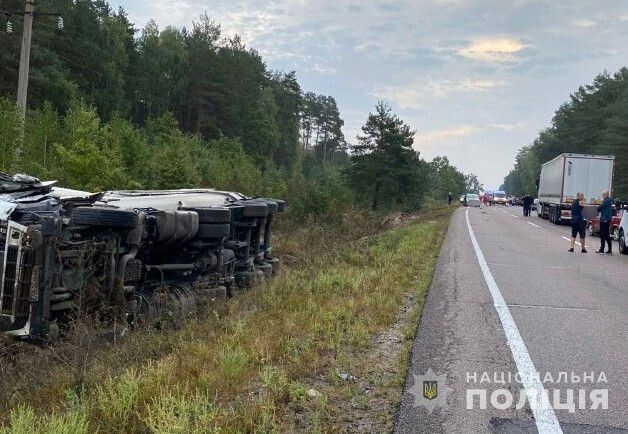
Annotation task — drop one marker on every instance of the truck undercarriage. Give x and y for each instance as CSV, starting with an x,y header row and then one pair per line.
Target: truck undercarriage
x,y
136,255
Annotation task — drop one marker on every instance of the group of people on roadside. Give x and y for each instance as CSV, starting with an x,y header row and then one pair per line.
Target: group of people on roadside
x,y
579,223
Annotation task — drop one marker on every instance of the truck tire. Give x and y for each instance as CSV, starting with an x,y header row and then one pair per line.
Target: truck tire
x,y
211,214
105,217
244,279
251,209
281,204
273,207
590,232
206,230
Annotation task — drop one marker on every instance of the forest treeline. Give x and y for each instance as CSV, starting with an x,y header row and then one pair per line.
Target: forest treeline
x,y
112,106
593,121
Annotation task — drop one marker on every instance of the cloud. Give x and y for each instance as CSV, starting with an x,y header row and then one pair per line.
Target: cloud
x,y
417,93
583,23
507,126
460,131
493,49
446,134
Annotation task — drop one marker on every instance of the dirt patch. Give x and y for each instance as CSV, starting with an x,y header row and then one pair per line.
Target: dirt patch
x,y
397,219
364,397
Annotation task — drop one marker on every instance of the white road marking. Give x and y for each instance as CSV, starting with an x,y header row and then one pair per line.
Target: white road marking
x,y
557,307
536,226
578,243
538,400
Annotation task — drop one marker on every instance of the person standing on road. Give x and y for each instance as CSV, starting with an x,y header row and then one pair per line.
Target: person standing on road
x,y
449,198
606,214
527,204
578,223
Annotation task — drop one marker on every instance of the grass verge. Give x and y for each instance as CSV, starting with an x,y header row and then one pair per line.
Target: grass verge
x,y
272,359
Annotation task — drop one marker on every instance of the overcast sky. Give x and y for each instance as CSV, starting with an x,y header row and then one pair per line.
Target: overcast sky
x,y
477,79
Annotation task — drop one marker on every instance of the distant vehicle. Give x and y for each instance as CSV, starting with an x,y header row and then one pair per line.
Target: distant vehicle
x,y
566,175
622,232
473,200
593,226
499,198
516,201
462,199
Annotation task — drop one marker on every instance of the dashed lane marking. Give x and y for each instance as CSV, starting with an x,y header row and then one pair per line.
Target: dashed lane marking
x,y
578,243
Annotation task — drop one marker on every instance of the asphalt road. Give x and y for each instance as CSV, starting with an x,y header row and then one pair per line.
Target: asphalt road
x,y
534,307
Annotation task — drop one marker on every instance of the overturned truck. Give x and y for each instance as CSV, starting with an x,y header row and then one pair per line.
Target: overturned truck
x,y
132,254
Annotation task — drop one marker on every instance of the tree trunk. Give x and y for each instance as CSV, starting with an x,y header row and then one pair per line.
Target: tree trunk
x,y
325,148
378,185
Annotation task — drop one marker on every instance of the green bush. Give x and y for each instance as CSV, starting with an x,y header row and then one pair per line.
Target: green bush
x,y
328,197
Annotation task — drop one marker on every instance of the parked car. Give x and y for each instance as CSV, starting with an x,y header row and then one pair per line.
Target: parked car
x,y
516,201
622,231
593,226
140,255
473,200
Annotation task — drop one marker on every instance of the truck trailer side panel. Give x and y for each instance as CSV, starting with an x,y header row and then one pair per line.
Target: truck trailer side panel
x,y
551,181
588,175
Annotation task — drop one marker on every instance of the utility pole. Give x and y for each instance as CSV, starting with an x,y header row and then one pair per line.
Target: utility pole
x,y
25,56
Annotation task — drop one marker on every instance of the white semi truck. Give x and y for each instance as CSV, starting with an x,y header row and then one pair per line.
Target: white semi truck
x,y
566,175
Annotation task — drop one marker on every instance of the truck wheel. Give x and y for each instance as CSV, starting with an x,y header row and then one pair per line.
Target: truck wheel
x,y
281,204
251,208
213,230
244,279
590,230
267,269
106,217
616,234
211,214
273,207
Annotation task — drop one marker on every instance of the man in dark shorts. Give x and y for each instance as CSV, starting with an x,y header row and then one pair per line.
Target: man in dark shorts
x,y
578,223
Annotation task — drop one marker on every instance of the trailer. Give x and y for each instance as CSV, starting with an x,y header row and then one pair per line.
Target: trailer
x,y
563,177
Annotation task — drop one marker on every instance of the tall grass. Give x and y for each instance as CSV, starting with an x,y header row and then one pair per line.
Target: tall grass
x,y
244,365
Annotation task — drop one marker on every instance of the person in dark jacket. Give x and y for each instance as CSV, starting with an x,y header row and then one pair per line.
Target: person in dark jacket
x,y
606,214
449,198
578,223
527,205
